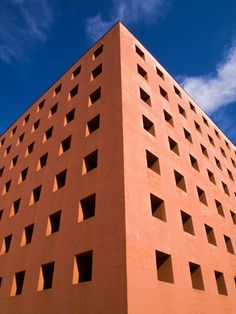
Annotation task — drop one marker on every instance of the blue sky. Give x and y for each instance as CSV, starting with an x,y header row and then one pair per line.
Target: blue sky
x,y
194,40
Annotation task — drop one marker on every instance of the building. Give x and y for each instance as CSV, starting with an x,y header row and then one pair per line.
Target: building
x,y
117,194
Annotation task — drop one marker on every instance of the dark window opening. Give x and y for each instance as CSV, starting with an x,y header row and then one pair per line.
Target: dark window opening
x,y
53,110
54,223
177,91
95,96
92,125
98,51
173,146
160,73
194,162
219,208
187,223
65,145
180,181
211,176
153,162
87,207
220,282
144,96
139,52
202,196
196,276
182,111
164,267
76,72
141,71
47,271
158,207
163,93
60,180
97,71
84,265
73,92
69,117
57,89
188,136
168,118
229,244
148,126
210,235
90,162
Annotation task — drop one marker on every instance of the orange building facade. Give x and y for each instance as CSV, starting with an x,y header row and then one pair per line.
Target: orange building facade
x,y
117,194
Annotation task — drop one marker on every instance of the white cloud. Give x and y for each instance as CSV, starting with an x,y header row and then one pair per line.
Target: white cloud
x,y
23,23
214,91
128,11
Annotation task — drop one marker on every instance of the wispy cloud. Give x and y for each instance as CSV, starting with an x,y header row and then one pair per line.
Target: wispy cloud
x,y
214,91
129,11
23,23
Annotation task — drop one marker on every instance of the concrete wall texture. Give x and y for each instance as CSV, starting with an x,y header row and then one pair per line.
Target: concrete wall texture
x,y
117,194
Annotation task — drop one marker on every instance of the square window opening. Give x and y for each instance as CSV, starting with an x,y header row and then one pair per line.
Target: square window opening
x,y
168,118
83,265
27,235
192,107
139,52
177,91
160,73
65,145
35,195
204,150
233,216
46,276
158,207
57,90
41,105
188,136
69,117
164,267
53,110
182,111
95,96
142,72
187,223
54,222
73,92
90,162
229,244
219,208
225,188
60,180
18,282
196,276
76,72
180,181
210,235
202,196
173,146
153,162
98,51
42,161
163,93
92,125
144,96
48,135
6,244
87,207
97,71
211,176
15,207
220,282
